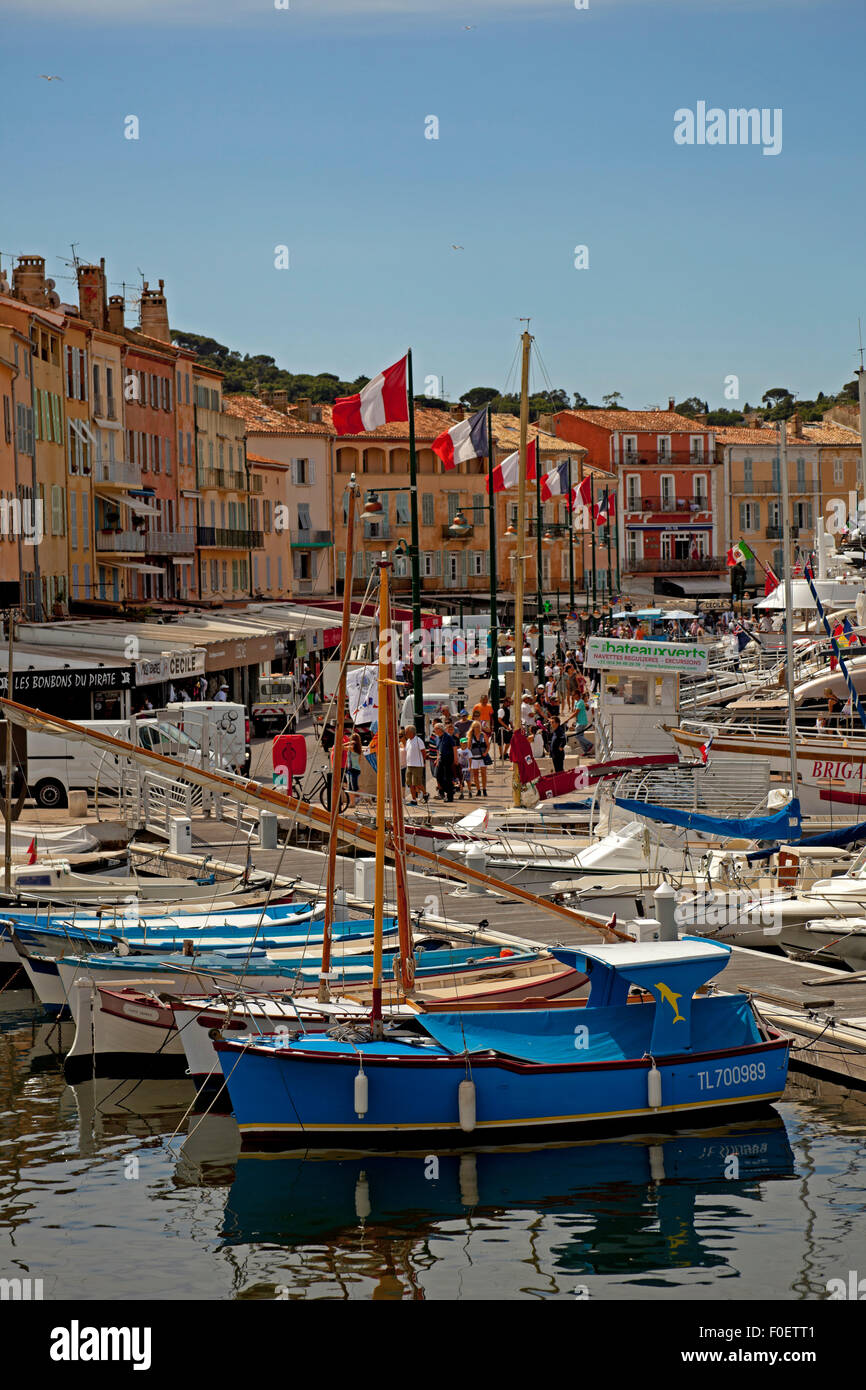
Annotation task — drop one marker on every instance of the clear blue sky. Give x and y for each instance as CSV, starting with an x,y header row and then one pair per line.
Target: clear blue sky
x,y
305,127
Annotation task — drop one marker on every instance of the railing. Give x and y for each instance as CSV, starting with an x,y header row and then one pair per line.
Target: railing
x,y
257,482
121,541
774,533
656,456
667,564
116,471
685,505
223,478
306,537
227,538
170,542
377,530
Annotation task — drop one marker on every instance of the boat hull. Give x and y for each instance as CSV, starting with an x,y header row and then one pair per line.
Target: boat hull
x,y
283,1097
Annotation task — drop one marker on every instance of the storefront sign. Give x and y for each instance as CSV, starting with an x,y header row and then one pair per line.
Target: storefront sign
x,y
611,654
68,679
170,666
246,651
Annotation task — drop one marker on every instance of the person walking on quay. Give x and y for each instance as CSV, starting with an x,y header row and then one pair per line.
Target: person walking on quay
x,y
479,757
582,722
505,728
445,762
556,743
415,755
353,767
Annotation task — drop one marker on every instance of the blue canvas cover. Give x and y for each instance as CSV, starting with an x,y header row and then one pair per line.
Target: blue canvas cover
x,y
785,824
612,1034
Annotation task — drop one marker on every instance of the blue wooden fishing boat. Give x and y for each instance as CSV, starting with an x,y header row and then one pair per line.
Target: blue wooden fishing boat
x,y
644,1048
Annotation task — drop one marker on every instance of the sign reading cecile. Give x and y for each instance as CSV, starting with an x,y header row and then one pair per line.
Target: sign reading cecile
x,y
613,654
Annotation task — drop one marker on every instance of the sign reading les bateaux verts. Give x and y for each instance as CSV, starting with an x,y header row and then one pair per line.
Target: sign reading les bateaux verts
x,y
616,654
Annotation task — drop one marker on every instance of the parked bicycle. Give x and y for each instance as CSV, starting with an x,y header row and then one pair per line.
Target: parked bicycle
x,y
319,789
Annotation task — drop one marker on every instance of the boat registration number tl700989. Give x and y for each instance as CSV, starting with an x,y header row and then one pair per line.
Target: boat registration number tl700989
x,y
732,1076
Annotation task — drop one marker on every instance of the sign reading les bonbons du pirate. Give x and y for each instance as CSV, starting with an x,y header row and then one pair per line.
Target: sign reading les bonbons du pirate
x,y
68,679
613,654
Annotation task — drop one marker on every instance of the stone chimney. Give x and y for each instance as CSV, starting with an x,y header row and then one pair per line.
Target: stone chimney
x,y
752,422
303,407
154,313
91,294
796,425
116,307
28,281
458,412
671,402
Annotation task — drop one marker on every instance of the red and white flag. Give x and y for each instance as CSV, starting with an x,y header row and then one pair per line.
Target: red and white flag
x,y
507,473
381,402
31,851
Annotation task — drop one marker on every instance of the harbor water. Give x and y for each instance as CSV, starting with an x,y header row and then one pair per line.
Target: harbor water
x,y
120,1190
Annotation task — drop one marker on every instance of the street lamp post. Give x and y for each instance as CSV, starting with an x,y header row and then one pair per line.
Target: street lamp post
x,y
494,620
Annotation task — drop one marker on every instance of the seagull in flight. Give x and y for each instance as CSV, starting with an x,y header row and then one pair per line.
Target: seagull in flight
x,y
470,26
48,78
457,248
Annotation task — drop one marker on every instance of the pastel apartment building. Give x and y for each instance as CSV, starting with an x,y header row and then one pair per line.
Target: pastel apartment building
x,y
671,534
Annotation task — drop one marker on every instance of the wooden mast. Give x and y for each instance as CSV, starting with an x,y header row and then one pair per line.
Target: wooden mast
x,y
381,768
519,556
337,764
398,828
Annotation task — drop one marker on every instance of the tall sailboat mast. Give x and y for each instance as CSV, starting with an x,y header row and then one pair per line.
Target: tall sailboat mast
x,y
337,774
789,612
385,638
520,546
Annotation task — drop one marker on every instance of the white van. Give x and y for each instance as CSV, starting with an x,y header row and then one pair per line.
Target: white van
x,y
218,725
55,766
433,702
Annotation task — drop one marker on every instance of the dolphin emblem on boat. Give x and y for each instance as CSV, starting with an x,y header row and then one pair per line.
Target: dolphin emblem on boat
x,y
667,994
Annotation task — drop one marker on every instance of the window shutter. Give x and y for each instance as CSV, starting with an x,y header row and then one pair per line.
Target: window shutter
x,y
312,470
743,509
293,471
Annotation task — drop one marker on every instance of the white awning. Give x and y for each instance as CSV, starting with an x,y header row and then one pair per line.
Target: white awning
x,y
125,499
127,565
182,560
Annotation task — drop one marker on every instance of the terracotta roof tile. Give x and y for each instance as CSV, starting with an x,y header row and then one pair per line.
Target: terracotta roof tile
x,y
264,419
649,421
813,433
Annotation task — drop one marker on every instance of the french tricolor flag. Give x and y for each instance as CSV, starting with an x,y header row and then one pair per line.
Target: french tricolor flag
x,y
466,440
381,402
555,483
507,473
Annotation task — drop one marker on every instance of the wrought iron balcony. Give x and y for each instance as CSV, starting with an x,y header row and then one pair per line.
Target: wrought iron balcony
x,y
116,472
226,538
307,539
667,564
121,542
224,478
170,542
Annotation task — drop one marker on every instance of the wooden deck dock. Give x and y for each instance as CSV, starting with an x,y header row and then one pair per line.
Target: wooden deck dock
x,y
822,1009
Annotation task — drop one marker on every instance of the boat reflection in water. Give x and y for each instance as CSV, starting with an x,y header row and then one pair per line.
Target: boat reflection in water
x,y
627,1206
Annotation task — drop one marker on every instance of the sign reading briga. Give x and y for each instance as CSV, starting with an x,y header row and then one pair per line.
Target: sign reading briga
x,y
612,654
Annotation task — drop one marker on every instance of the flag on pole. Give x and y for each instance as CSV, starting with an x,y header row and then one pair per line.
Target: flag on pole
x,y
739,554
555,483
772,581
31,851
705,750
507,473
853,638
381,402
464,441
601,511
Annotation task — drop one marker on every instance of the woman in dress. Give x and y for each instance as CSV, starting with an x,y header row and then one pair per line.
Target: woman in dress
x,y
478,746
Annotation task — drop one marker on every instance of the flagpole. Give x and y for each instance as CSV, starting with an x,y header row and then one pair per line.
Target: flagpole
x,y
494,612
416,644
570,541
539,565
607,519
789,610
519,557
593,529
